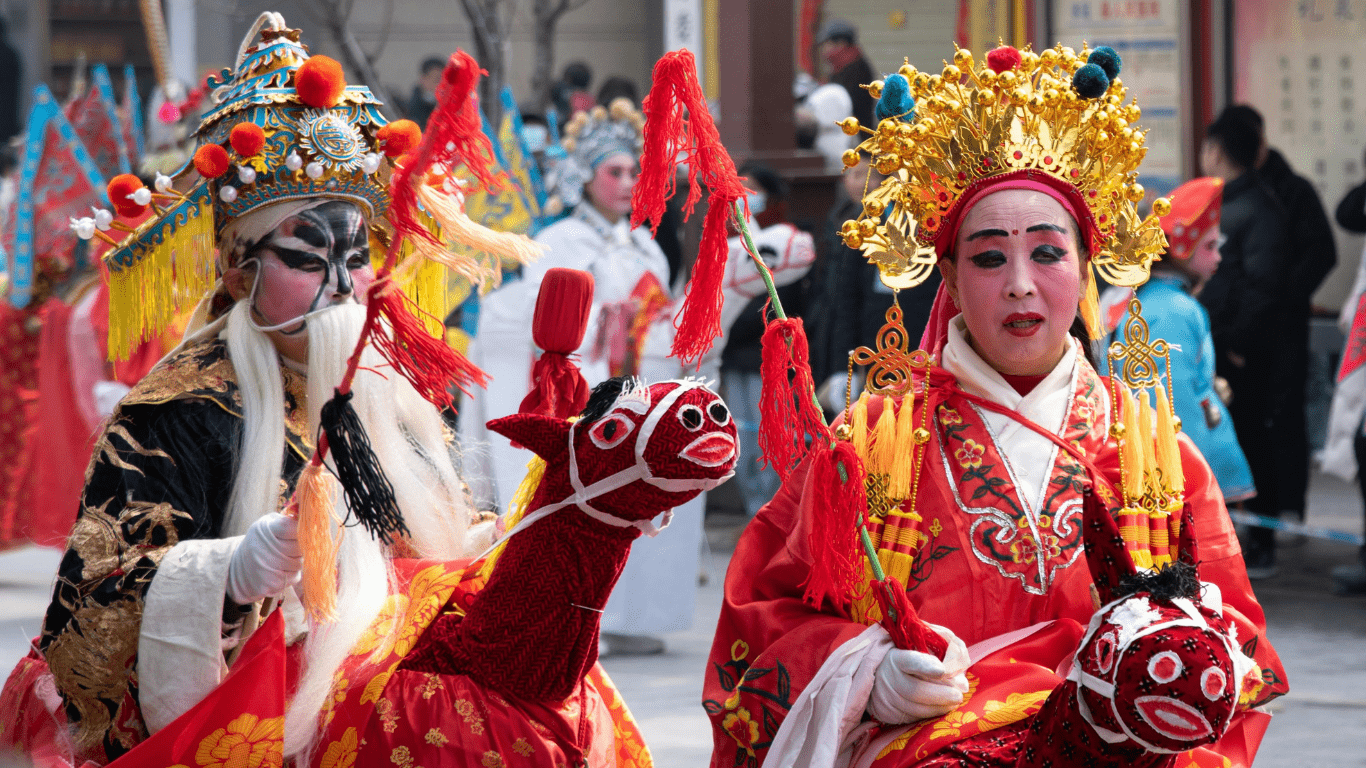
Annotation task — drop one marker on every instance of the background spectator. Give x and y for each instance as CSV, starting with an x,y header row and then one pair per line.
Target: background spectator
x,y
423,100
618,87
819,109
849,68
1250,310
570,93
1351,212
11,75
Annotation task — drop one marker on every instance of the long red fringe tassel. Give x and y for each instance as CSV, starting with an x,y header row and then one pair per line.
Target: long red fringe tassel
x,y
428,363
454,135
679,128
840,501
907,630
788,415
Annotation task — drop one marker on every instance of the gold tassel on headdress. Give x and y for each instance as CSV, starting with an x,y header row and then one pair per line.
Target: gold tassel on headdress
x,y
170,266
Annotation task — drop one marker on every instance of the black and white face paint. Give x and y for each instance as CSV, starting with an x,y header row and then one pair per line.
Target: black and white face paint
x,y
311,260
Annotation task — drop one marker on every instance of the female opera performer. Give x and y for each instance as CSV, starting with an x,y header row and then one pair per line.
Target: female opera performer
x,y
1016,177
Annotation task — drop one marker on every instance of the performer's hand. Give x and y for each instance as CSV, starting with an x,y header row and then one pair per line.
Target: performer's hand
x,y
910,685
267,561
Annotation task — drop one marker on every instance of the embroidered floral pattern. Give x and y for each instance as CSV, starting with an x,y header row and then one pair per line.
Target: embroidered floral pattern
x,y
1023,543
342,752
742,728
523,747
247,742
436,738
466,709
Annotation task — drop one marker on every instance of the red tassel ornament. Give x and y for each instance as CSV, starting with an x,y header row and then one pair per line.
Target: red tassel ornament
x,y
454,136
428,363
838,504
901,621
678,128
561,319
788,413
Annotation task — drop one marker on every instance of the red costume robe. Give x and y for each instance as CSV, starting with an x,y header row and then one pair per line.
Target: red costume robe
x,y
987,563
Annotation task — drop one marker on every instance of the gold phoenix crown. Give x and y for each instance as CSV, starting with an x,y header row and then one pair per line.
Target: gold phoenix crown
x,y
941,137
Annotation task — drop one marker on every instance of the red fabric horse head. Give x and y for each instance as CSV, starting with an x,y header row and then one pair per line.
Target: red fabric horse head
x,y
1159,665
635,451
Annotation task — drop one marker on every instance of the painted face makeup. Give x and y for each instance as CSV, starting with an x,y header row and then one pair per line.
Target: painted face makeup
x,y
312,260
1205,257
610,189
1016,277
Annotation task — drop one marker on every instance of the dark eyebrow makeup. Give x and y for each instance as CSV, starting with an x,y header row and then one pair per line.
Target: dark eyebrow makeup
x,y
987,233
1047,228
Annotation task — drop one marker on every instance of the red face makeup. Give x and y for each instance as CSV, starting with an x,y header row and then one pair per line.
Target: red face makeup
x,y
610,189
1016,276
1204,259
312,260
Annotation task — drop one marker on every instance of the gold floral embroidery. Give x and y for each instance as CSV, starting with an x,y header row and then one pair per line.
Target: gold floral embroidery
x,y
246,742
436,738
491,759
375,687
402,758
388,718
742,728
342,752
970,455
1016,707
465,708
432,685
951,724
522,747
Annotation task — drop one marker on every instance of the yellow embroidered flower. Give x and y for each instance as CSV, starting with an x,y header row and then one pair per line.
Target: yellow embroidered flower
x,y
401,757
342,752
1016,707
739,650
247,742
952,723
375,687
741,728
935,527
436,738
948,415
522,747
970,455
491,759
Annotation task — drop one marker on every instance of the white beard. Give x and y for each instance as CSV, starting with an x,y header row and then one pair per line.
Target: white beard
x,y
406,434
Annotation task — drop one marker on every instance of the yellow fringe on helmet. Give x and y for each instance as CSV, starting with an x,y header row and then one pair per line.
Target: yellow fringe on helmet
x,y
535,470
173,267
1090,307
459,229
319,540
424,282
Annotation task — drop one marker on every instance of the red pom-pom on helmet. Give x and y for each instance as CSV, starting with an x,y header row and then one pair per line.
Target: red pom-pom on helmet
x,y
211,160
121,190
399,137
247,139
1002,59
320,82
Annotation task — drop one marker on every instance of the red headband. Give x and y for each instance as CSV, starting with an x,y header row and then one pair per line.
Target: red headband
x,y
1066,195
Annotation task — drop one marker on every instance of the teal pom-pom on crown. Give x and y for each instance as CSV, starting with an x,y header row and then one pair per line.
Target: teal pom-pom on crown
x,y
1107,59
1090,81
896,101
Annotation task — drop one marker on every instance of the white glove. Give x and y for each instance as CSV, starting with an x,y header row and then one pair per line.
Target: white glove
x,y
911,686
267,561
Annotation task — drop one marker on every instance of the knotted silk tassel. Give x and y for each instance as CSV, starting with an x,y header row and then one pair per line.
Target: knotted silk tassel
x,y
883,451
788,416
679,128
899,485
369,495
899,618
1168,448
428,363
319,540
858,427
836,506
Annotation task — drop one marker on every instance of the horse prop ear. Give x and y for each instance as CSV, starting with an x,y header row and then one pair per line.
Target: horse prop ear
x,y
1106,554
1187,551
546,436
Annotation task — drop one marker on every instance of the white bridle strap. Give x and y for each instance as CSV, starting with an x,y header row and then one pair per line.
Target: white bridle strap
x,y
640,470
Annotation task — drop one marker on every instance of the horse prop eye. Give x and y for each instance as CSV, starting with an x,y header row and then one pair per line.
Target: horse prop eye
x,y
719,413
611,430
691,417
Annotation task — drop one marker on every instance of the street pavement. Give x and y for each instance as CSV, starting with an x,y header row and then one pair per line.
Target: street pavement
x,y
1321,639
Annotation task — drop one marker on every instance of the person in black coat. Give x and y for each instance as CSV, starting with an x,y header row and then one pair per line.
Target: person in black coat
x,y
423,101
11,77
1314,256
1351,212
838,44
1251,313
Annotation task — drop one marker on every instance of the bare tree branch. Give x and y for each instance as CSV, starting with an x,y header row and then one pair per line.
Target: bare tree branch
x,y
384,29
334,16
545,17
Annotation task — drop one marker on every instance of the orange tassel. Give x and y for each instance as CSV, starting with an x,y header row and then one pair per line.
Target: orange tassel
x,y
319,540
884,440
899,487
858,426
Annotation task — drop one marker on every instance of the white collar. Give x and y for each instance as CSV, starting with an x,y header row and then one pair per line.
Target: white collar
x,y
977,377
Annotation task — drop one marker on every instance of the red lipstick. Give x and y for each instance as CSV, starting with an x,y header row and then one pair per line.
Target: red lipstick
x,y
1023,324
